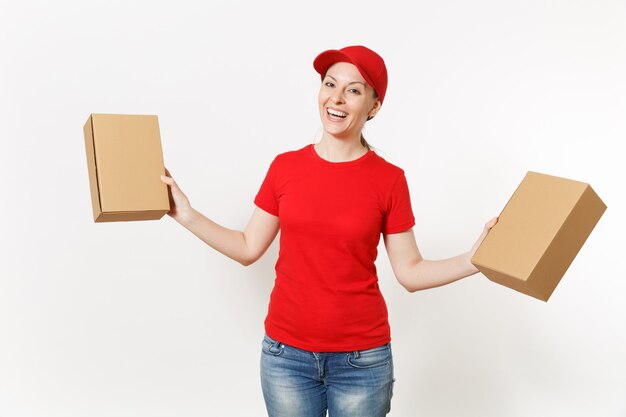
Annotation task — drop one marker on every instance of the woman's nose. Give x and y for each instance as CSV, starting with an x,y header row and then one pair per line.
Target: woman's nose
x,y
337,98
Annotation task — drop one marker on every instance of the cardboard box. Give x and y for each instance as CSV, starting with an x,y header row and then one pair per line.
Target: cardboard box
x,y
538,234
125,162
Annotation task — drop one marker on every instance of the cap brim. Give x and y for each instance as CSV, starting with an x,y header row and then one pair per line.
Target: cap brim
x,y
327,58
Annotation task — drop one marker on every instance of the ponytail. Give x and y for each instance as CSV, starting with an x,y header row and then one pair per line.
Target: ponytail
x,y
364,142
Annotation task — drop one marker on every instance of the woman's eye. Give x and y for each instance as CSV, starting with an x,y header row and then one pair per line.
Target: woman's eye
x,y
329,84
355,91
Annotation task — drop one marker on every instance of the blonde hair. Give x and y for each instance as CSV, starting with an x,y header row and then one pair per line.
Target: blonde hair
x,y
364,142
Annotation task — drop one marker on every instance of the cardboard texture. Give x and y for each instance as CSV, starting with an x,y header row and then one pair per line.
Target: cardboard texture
x,y
125,161
539,233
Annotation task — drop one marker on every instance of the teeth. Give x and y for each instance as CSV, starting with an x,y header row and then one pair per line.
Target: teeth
x,y
336,113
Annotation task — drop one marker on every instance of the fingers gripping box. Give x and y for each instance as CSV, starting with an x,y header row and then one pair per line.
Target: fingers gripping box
x,y
539,233
125,162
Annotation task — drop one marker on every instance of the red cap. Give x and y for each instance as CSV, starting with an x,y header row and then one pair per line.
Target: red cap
x,y
369,63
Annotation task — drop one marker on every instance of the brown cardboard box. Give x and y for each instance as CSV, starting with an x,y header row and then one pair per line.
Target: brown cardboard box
x,y
125,161
538,234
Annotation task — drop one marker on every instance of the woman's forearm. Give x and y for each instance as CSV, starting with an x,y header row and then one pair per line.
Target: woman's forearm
x,y
430,274
229,242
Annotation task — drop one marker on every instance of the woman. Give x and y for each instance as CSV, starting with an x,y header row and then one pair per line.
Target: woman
x,y
327,342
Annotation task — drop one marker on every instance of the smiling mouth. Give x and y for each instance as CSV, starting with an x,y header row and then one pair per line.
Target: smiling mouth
x,y
336,113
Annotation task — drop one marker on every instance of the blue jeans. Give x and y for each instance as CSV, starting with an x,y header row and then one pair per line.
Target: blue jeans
x,y
299,383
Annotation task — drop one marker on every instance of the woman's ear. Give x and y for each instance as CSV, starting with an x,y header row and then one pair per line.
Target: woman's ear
x,y
374,110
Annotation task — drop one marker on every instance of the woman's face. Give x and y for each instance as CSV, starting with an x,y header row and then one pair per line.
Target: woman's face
x,y
345,101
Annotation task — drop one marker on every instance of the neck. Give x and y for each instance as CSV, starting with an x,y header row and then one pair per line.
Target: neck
x,y
340,150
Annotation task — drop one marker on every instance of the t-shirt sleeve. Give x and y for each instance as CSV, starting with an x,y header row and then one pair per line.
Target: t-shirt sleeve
x,y
266,198
399,216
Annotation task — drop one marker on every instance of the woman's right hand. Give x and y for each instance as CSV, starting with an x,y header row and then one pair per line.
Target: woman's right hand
x,y
179,203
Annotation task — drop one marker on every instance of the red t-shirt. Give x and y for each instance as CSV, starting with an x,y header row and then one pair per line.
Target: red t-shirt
x,y
326,296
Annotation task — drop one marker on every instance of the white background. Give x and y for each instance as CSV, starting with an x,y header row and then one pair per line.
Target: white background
x,y
143,319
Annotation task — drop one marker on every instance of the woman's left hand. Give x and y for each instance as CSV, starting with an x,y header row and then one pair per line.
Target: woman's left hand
x,y
486,230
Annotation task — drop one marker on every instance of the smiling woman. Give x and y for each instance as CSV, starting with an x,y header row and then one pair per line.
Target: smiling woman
x,y
346,102
363,86
327,338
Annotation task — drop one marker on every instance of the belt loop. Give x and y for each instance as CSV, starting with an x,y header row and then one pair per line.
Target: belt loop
x,y
356,354
275,346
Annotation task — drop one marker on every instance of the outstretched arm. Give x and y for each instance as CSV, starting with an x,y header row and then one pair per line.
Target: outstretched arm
x,y
244,247
416,273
